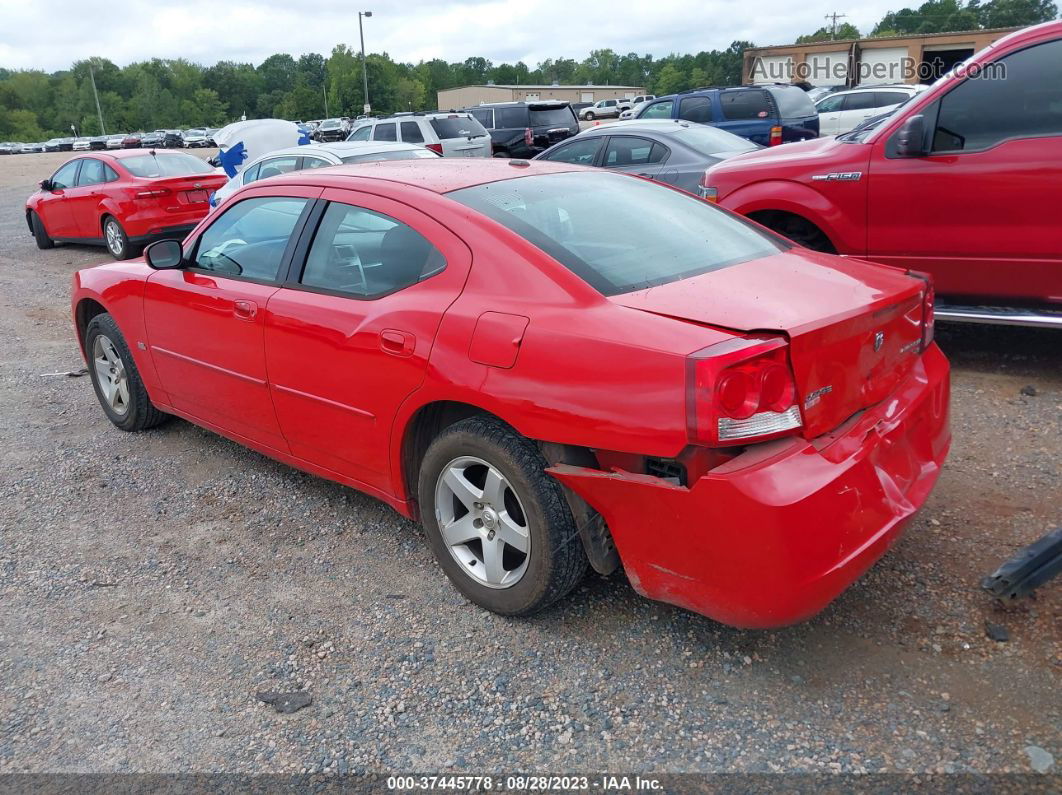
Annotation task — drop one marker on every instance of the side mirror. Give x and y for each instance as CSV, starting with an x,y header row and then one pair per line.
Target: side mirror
x,y
164,255
46,185
911,139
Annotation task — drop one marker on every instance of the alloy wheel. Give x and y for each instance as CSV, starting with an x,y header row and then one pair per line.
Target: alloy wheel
x,y
115,238
111,375
482,522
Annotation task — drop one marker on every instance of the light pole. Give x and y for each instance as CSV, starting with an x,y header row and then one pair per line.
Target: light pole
x,y
364,71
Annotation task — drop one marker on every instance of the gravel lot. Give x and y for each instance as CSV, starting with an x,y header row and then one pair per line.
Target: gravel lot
x,y
151,584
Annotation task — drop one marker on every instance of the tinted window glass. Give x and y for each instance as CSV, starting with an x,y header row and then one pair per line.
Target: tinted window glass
x,y
506,118
64,177
457,127
582,152
792,102
314,162
738,105
411,133
830,104
249,238
385,132
626,150
398,154
166,164
698,109
483,116
366,254
586,220
92,172
860,101
658,110
979,113
361,134
883,98
552,117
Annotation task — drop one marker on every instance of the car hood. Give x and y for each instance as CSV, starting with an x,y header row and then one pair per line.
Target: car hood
x,y
809,153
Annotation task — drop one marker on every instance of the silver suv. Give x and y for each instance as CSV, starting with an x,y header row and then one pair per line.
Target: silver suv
x,y
604,109
447,134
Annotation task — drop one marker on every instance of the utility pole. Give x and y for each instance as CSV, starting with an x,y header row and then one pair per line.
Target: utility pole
x,y
92,77
324,90
833,23
364,67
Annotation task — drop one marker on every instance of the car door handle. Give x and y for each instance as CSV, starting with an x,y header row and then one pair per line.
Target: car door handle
x,y
245,310
396,342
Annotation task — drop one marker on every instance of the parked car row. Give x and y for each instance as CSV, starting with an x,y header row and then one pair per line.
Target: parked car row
x,y
172,139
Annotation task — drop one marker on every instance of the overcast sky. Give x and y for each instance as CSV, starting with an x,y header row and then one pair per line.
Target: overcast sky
x,y
51,34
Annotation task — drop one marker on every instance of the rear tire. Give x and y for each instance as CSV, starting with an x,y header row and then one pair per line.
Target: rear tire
x,y
590,116
116,240
501,154
115,378
481,461
40,235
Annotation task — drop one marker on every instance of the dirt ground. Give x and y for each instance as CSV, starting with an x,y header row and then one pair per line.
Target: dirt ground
x,y
151,584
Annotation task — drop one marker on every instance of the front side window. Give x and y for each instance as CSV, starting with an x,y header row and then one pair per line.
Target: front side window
x,y
64,177
1026,103
361,134
276,166
830,104
364,254
579,152
586,220
698,109
742,105
249,238
411,133
626,150
385,132
658,110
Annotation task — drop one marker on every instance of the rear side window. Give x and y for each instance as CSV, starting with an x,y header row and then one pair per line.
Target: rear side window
x,y
552,117
366,255
385,132
457,127
860,101
792,102
93,172
884,98
741,105
411,133
626,150
249,238
1026,103
698,109
510,117
483,116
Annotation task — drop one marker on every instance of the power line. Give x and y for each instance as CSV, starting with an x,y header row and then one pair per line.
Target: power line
x,y
833,23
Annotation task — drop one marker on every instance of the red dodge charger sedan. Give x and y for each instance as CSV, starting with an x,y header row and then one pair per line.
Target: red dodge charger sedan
x,y
122,200
742,424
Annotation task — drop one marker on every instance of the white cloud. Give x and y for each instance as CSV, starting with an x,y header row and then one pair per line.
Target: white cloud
x,y
51,34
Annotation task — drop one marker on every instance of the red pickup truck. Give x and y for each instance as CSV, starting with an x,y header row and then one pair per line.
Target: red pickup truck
x,y
963,182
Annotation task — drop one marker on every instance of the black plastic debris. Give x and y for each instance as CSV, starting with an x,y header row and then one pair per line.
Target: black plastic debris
x,y
997,632
1028,570
286,702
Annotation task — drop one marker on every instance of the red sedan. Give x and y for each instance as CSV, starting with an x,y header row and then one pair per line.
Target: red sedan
x,y
122,200
549,366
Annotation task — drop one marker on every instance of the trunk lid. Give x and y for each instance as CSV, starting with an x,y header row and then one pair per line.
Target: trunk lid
x,y
179,194
854,328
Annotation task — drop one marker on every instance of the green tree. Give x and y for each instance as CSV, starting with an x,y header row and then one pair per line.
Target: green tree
x,y
844,31
670,80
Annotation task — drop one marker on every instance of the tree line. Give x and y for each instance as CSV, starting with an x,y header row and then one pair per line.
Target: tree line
x,y
175,93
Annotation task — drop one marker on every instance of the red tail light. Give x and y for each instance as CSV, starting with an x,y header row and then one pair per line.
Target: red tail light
x,y
437,148
776,136
529,137
152,193
929,320
740,392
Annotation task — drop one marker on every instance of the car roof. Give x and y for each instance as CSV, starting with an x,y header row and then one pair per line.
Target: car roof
x,y
338,149
439,175
663,126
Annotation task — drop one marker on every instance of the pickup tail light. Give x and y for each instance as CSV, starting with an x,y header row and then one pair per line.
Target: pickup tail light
x,y
708,193
529,136
739,392
152,193
929,318
776,136
437,148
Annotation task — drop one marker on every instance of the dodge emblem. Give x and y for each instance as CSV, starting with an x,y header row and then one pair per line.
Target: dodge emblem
x,y
879,340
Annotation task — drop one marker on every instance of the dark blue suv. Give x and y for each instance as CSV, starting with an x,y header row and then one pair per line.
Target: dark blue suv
x,y
768,115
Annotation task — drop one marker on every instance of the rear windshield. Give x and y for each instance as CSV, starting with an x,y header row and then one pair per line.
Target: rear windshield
x,y
616,233
750,104
457,127
166,164
400,154
792,102
711,140
553,117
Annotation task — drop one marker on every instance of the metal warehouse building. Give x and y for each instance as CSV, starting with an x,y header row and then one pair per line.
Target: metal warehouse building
x,y
467,96
866,62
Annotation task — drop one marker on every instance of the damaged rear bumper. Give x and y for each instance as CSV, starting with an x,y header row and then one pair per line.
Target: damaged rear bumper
x,y
774,535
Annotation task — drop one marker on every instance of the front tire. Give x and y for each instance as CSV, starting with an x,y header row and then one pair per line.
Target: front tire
x,y
589,116
40,234
117,241
498,524
115,378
